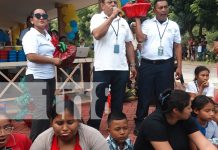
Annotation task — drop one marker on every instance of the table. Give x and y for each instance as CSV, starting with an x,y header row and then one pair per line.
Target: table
x,y
22,67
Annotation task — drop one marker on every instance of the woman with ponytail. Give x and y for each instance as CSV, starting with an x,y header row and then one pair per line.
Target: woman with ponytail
x,y
171,127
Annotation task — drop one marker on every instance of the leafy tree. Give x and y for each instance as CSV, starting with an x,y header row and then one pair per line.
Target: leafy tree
x,y
206,12
85,16
189,13
182,14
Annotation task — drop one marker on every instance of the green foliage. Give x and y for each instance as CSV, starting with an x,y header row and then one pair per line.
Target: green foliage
x,y
189,13
54,24
205,12
85,16
211,57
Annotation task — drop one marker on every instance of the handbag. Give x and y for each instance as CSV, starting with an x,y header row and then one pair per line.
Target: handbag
x,y
66,53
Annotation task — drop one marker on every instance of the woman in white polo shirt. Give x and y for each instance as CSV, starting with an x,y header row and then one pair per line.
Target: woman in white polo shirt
x,y
41,69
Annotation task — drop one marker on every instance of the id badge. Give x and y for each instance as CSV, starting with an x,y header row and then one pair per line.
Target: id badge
x,y
160,50
116,48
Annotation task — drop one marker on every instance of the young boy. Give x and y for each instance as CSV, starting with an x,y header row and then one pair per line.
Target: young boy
x,y
118,132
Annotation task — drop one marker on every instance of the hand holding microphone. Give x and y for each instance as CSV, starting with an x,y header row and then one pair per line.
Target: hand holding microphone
x,y
116,12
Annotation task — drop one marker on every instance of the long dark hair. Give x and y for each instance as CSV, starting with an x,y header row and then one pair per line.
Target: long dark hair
x,y
32,12
199,69
200,101
63,105
171,99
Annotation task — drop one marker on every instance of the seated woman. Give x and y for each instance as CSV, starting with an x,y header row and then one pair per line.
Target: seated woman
x,y
68,133
200,85
171,127
9,140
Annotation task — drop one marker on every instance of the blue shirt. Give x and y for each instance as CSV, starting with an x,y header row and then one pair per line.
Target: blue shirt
x,y
210,130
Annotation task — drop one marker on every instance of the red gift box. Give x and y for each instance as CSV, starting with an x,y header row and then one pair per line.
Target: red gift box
x,y
136,9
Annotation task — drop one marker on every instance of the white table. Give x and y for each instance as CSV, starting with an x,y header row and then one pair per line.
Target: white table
x,y
22,67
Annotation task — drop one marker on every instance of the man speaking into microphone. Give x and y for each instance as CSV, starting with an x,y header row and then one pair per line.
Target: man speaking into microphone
x,y
113,56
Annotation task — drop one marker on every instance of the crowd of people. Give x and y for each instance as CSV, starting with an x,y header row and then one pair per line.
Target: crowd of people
x,y
182,120
195,49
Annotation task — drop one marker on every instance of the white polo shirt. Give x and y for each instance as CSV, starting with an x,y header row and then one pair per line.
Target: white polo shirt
x,y
104,56
208,91
171,35
35,42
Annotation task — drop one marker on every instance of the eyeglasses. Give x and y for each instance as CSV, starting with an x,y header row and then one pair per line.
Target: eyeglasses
x,y
7,129
38,16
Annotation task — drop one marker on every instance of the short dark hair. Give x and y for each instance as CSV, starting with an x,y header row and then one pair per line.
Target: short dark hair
x,y
156,1
63,105
199,69
115,116
171,99
200,101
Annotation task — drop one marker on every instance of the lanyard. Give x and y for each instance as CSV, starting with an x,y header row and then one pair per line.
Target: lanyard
x,y
116,33
161,36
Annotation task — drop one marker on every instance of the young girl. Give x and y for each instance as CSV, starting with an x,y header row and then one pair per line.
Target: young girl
x,y
200,85
203,110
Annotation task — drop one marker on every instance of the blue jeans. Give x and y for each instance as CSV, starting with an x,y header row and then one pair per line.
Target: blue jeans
x,y
118,80
153,79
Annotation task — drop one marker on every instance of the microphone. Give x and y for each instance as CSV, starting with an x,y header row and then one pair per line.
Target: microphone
x,y
119,14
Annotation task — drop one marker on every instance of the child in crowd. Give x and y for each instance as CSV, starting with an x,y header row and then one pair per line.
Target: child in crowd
x,y
203,110
9,140
118,132
215,118
200,85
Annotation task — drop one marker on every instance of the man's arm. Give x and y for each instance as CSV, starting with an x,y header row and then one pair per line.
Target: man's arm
x,y
139,35
131,58
178,53
101,30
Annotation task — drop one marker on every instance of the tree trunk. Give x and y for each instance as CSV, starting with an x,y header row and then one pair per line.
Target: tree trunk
x,y
200,30
190,32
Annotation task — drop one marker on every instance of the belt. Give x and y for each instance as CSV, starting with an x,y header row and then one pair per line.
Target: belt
x,y
160,61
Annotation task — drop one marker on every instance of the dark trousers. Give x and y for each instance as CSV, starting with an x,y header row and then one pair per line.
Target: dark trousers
x,y
102,79
153,79
43,99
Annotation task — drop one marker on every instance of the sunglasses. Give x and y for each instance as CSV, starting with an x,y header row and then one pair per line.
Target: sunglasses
x,y
38,16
